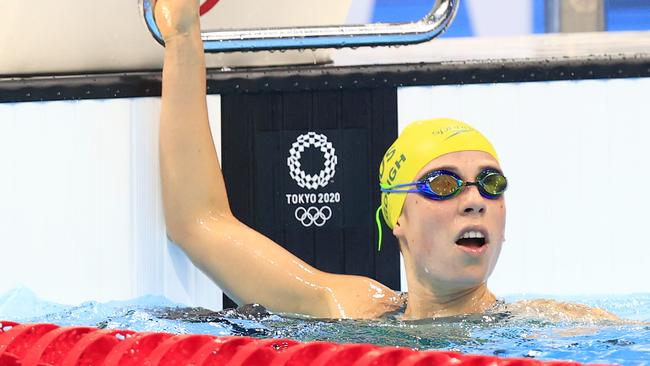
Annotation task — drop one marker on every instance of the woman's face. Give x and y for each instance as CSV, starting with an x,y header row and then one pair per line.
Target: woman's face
x,y
429,231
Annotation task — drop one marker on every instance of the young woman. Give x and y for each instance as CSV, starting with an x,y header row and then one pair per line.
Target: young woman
x,y
442,196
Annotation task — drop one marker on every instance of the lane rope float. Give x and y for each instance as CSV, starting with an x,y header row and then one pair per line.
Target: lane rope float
x,y
50,344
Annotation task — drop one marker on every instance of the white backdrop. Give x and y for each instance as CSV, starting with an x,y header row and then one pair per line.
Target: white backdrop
x,y
576,156
80,208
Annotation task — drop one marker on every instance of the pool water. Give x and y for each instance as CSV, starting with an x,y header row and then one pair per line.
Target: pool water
x,y
500,334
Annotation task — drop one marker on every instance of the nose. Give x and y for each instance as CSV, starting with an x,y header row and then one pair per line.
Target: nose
x,y
471,201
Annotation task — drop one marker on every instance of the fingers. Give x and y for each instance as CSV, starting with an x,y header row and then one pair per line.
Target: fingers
x,y
174,17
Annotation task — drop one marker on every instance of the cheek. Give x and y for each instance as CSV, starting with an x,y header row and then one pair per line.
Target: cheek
x,y
502,210
428,223
434,215
433,222
498,218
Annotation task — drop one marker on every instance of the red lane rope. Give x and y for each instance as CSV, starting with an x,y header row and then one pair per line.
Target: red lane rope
x,y
52,345
135,350
93,347
175,350
17,339
220,352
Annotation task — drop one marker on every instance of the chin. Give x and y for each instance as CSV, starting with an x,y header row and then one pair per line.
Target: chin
x,y
473,278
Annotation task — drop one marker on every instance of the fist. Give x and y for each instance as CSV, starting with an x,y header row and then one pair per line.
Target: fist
x,y
175,17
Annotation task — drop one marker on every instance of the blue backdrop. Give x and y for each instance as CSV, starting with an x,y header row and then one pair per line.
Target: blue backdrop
x,y
620,15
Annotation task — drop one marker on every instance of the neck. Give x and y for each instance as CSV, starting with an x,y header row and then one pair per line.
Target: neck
x,y
428,299
427,303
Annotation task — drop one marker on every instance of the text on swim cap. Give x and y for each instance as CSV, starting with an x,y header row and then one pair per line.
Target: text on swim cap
x,y
392,173
447,129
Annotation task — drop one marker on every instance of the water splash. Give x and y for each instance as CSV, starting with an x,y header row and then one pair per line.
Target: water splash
x,y
501,333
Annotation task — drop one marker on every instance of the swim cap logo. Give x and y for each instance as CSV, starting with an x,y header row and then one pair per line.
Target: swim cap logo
x,y
312,181
456,129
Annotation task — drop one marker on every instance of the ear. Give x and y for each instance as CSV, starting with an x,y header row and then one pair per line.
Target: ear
x,y
398,229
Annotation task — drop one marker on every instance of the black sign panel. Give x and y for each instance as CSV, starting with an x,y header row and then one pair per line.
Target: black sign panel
x,y
301,168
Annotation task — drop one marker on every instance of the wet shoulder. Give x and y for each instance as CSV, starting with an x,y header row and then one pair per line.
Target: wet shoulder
x,y
557,311
497,312
361,297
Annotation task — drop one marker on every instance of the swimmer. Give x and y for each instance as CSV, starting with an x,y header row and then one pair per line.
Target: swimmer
x,y
442,196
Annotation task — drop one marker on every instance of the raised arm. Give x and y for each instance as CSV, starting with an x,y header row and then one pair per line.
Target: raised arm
x,y
192,181
246,265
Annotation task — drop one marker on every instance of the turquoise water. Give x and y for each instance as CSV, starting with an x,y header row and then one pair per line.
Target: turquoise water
x,y
497,334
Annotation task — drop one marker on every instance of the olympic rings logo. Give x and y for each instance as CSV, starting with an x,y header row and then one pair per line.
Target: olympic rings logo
x,y
312,181
313,215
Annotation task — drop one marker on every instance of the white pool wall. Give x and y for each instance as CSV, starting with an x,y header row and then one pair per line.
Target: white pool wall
x,y
81,216
576,156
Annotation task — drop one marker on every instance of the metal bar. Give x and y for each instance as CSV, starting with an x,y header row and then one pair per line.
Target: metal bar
x,y
374,34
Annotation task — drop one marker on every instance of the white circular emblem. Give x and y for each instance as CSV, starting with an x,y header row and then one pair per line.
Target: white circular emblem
x,y
303,179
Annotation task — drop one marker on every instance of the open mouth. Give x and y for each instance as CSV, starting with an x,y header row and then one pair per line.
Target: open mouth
x,y
472,239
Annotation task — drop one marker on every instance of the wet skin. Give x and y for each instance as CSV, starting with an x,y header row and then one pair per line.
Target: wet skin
x,y
444,278
249,267
439,271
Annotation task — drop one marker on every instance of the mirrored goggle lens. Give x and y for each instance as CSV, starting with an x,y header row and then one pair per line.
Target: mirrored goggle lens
x,y
444,185
494,183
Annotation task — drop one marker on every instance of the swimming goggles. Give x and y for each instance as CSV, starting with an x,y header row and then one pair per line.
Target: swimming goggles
x,y
442,185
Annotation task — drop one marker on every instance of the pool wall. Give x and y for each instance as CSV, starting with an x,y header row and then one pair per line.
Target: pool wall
x,y
572,151
81,212
81,205
81,191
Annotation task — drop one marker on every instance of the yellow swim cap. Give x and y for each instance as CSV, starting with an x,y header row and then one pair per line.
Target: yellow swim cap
x,y
417,145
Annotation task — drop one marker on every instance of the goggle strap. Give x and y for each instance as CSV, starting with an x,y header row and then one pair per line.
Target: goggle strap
x,y
386,186
378,220
400,191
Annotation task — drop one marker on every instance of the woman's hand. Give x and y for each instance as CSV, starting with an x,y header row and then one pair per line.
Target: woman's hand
x,y
176,17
